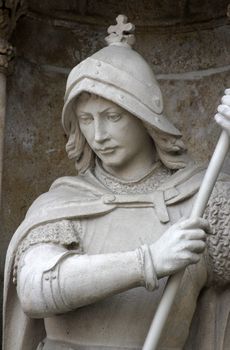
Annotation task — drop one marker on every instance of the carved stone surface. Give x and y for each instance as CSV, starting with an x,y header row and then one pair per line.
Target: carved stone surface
x,y
6,56
125,211
10,12
192,70
149,13
191,65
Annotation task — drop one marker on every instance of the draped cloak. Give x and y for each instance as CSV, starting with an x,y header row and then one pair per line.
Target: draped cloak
x,y
81,197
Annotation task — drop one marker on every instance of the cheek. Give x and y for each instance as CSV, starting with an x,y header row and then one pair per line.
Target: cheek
x,y
119,131
88,133
129,133
133,137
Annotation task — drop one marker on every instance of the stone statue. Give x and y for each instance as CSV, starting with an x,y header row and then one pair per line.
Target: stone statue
x,y
87,267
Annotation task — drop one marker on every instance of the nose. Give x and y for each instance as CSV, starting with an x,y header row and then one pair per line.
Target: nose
x,y
100,130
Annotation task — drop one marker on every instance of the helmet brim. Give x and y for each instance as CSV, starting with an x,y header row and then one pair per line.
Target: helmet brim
x,y
120,97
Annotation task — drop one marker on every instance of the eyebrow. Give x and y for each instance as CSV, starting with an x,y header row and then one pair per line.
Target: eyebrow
x,y
110,108
83,113
80,113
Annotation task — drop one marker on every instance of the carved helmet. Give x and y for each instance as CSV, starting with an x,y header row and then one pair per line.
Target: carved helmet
x,y
121,75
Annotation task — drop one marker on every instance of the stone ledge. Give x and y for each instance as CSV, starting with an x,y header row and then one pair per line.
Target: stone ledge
x,y
66,19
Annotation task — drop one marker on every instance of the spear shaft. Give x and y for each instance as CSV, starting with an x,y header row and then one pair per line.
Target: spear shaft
x,y
199,206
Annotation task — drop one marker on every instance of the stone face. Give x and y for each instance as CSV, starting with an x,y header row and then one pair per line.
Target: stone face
x,y
29,148
188,37
146,13
173,51
186,51
191,100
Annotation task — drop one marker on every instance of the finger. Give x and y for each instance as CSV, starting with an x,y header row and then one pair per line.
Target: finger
x,y
195,223
224,123
226,100
194,234
195,246
224,110
190,258
194,258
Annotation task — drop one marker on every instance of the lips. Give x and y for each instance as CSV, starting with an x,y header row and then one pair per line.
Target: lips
x,y
106,150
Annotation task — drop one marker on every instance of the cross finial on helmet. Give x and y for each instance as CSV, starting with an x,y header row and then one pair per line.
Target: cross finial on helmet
x,y
121,33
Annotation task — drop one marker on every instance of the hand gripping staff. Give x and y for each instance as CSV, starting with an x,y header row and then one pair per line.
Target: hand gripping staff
x,y
201,201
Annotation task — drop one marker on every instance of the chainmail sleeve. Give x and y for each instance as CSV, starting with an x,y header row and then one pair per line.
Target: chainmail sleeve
x,y
65,232
218,242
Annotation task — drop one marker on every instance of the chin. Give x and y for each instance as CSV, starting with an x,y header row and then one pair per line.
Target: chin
x,y
113,162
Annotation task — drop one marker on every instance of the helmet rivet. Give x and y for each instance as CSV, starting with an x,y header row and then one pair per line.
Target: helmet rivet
x,y
158,102
121,97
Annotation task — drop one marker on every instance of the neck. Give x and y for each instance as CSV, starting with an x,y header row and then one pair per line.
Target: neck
x,y
136,167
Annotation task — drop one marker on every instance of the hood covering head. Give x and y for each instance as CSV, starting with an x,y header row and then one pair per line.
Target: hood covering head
x,y
119,74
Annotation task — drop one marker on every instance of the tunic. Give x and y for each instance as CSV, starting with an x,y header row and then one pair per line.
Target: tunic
x,y
122,321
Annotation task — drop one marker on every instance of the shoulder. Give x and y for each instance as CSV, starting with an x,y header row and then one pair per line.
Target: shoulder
x,y
68,197
86,183
183,184
65,190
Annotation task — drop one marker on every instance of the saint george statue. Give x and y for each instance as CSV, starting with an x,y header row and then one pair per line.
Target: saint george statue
x,y
86,268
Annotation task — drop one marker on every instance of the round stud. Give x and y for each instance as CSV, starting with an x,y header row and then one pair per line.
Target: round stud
x,y
158,102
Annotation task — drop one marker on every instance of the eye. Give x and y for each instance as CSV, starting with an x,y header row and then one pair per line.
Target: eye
x,y
85,119
114,117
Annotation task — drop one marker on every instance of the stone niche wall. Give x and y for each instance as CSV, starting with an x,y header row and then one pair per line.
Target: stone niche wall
x,y
187,44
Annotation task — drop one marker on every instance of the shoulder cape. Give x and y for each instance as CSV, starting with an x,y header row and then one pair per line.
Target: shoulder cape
x,y
74,197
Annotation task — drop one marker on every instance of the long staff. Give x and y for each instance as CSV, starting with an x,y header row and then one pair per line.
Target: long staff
x,y
174,281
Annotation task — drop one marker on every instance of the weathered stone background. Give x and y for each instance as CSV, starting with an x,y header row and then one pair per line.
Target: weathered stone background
x,y
186,42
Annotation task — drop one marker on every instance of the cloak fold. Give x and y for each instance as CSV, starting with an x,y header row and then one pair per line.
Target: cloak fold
x,y
68,198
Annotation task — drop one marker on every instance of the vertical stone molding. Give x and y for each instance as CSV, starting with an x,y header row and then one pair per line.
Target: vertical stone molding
x,y
10,11
6,56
